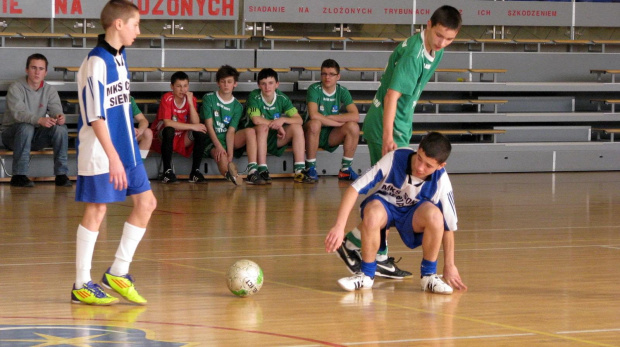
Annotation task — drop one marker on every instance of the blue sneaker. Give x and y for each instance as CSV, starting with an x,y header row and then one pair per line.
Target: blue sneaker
x,y
311,172
347,175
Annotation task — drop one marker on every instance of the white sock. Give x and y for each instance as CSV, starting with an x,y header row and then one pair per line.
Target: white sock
x,y
126,249
144,153
84,249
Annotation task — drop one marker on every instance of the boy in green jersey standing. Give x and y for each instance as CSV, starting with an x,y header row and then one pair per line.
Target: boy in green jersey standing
x,y
388,123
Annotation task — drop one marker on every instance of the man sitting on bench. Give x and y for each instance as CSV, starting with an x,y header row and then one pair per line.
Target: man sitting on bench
x,y
34,120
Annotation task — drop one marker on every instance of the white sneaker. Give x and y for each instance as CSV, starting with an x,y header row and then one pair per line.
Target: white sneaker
x,y
357,281
434,284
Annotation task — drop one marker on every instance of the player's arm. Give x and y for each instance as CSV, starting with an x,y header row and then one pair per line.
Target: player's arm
x,y
194,118
352,114
390,102
117,171
450,272
230,142
336,233
314,114
143,124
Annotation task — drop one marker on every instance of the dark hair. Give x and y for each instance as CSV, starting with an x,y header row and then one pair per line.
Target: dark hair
x,y
226,71
436,146
36,56
331,63
266,73
447,16
179,75
117,9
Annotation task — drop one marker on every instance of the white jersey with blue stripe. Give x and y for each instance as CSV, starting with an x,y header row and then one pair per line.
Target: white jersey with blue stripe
x,y
391,175
103,91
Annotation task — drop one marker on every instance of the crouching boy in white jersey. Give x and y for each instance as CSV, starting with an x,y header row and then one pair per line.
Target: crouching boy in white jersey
x,y
414,196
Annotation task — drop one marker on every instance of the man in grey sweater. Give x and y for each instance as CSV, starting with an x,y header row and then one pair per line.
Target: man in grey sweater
x,y
34,120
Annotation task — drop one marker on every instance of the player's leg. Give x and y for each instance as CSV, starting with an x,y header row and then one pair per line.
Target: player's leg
x,y
295,136
374,218
58,137
144,142
222,163
199,140
18,138
428,219
262,134
247,138
312,132
167,145
84,290
347,135
144,203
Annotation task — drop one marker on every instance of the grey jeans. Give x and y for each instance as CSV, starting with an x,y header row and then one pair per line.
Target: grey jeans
x,y
21,138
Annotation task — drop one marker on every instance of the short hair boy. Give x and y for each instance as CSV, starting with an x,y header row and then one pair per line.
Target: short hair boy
x,y
415,196
333,120
178,128
221,113
277,123
109,164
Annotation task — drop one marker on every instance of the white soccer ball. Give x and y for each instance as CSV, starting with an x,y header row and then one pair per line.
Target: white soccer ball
x,y
244,278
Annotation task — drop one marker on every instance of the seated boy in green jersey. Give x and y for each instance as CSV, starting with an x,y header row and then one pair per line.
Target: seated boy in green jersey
x,y
221,113
277,123
332,120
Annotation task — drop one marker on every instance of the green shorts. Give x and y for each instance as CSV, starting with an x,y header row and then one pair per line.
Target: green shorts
x,y
374,149
237,153
272,144
324,140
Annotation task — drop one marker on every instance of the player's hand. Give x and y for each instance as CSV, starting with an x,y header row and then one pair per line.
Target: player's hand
x,y
47,122
281,133
276,123
190,97
452,278
388,146
200,127
334,238
139,132
219,153
60,119
117,174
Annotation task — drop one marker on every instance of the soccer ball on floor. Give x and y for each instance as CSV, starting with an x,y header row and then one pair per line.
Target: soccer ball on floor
x,y
244,278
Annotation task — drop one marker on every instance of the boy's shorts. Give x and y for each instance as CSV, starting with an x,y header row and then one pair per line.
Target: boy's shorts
x,y
324,139
272,144
178,142
399,217
237,153
374,149
98,189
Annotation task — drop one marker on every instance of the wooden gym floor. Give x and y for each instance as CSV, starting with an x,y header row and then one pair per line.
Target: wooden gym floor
x,y
539,252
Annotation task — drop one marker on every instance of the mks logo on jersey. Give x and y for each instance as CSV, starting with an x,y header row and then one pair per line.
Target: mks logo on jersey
x,y
402,198
335,109
117,93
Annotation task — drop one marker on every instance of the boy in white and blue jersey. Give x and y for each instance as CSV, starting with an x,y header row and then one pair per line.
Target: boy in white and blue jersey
x,y
109,163
415,196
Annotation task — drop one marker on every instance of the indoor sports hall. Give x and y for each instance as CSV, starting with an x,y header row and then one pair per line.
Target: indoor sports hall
x,y
527,94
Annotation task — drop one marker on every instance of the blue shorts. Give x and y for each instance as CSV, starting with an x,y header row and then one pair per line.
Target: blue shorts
x,y
98,189
399,217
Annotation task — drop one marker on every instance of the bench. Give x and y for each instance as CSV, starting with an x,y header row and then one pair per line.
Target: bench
x,y
482,42
437,71
482,72
231,41
570,43
5,153
477,102
611,102
610,131
527,43
363,70
333,39
5,34
606,42
133,70
474,132
600,72
273,38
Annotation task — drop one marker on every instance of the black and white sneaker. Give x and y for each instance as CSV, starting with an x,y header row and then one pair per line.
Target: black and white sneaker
x,y
254,178
352,258
388,269
197,177
265,176
169,177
